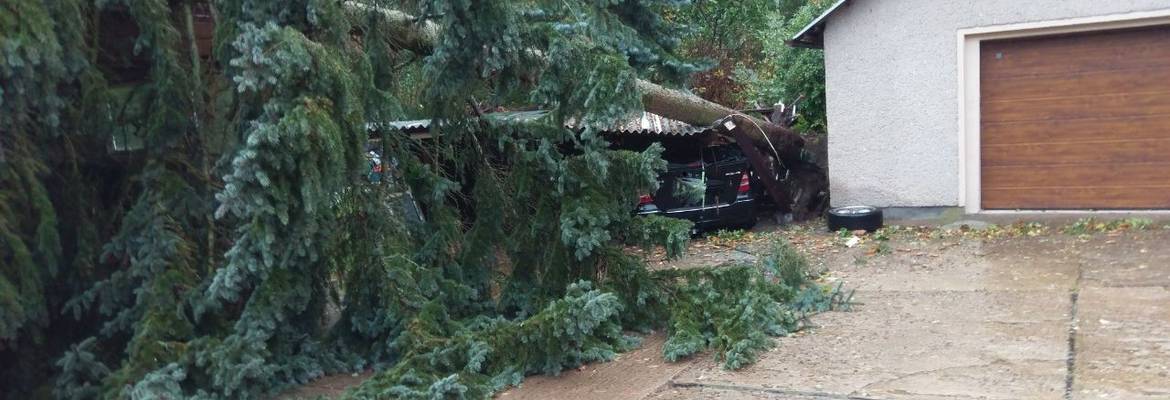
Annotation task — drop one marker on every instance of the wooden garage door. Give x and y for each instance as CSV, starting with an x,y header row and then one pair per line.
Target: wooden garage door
x,y
1076,121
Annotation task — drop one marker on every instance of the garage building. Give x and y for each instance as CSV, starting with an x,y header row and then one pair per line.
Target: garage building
x,y
996,105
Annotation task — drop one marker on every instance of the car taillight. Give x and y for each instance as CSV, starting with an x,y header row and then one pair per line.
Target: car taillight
x,y
745,184
645,199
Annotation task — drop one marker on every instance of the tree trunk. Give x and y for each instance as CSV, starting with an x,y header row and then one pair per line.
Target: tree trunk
x,y
675,104
695,110
408,32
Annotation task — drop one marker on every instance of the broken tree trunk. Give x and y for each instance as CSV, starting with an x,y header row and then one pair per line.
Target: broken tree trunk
x,y
695,110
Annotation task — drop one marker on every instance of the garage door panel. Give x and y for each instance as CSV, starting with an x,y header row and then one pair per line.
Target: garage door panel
x,y
1078,198
1100,83
1136,46
1087,174
1077,43
1101,151
1013,65
1088,128
1078,121
1077,107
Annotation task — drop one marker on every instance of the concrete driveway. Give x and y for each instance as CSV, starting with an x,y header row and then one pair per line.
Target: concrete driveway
x,y
1047,317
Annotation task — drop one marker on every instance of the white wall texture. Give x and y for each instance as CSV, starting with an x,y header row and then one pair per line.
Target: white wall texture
x,y
892,91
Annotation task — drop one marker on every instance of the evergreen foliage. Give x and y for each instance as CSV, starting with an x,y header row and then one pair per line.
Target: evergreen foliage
x,y
177,224
652,230
737,309
734,309
473,359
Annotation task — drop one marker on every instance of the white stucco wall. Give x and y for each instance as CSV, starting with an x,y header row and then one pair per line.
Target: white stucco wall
x,y
892,91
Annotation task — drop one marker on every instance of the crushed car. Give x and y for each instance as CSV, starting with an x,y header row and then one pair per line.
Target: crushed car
x,y
713,190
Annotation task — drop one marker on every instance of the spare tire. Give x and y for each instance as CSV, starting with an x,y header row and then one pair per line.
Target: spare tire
x,y
854,218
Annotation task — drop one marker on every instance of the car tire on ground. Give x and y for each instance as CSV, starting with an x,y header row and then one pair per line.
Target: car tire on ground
x,y
854,218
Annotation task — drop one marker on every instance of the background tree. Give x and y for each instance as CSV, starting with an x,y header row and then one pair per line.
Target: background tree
x,y
723,34
730,36
787,73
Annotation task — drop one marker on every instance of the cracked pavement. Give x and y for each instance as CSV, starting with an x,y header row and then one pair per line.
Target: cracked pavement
x,y
1047,317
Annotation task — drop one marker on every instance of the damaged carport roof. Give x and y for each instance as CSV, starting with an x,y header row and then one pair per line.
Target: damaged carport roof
x,y
644,123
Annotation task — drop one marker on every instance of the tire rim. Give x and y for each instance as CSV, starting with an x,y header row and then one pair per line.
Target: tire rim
x,y
854,210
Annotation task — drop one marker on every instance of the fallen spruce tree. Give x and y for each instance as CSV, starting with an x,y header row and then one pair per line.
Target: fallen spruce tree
x,y
799,185
183,219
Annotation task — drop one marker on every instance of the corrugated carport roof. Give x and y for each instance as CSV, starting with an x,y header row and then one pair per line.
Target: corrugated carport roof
x,y
644,123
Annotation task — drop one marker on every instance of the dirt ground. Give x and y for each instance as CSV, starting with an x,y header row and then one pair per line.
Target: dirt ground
x,y
1020,312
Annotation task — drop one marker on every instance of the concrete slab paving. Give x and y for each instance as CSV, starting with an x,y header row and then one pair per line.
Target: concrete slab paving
x,y
738,393
1123,342
965,265
1126,260
942,343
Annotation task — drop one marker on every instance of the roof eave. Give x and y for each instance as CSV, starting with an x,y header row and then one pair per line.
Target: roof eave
x,y
812,36
805,43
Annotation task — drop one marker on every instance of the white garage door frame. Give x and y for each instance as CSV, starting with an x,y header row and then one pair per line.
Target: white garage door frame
x,y
969,41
